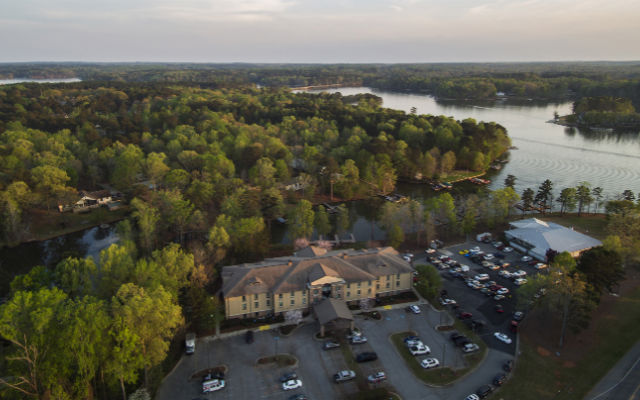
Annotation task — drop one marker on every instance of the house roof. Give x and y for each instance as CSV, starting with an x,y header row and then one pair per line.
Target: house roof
x,y
310,251
331,309
544,235
281,275
100,194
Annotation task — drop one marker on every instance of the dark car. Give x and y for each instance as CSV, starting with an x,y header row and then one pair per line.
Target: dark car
x,y
288,377
366,356
513,327
298,397
498,255
499,309
411,338
454,335
518,316
507,366
461,341
248,337
464,315
484,391
499,379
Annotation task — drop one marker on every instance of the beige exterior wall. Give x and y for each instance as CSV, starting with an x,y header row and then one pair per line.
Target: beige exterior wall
x,y
239,307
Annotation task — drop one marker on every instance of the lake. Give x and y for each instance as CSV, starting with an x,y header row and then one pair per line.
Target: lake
x,y
30,80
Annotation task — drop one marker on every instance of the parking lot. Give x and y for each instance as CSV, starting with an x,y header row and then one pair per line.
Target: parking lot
x,y
316,367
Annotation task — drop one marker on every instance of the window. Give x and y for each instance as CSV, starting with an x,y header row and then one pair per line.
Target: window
x,y
293,302
358,293
280,305
348,286
304,301
348,294
369,283
369,291
255,297
377,286
293,294
359,283
244,298
388,285
397,283
268,303
280,296
315,291
256,304
244,306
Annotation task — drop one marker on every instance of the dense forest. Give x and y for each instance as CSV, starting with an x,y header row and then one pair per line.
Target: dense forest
x,y
603,112
457,81
217,151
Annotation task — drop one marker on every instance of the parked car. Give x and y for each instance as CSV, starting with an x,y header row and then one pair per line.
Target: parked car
x,y
461,341
212,385
298,397
503,290
498,297
289,377
358,339
446,302
518,315
465,315
502,337
419,349
526,258
464,268
499,379
414,309
430,251
411,339
366,356
504,274
508,249
472,396
377,377
513,326
497,244
354,332
292,384
248,337
470,348
484,391
428,363
488,257
343,376
481,277
520,281
540,266
499,309
330,345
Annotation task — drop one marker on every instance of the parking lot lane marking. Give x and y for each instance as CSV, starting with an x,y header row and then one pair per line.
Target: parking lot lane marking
x,y
264,327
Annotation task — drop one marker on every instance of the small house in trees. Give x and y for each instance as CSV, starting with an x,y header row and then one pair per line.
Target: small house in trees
x,y
88,200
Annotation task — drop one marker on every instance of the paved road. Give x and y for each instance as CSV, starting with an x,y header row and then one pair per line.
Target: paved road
x,y
622,382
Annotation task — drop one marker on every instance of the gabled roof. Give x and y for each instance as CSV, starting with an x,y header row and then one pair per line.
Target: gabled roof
x,y
331,309
100,194
548,235
310,251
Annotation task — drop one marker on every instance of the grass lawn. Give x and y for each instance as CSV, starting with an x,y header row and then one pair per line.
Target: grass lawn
x,y
540,374
438,376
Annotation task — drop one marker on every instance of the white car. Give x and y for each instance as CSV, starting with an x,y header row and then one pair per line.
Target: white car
x,y
430,251
292,384
414,309
497,244
507,249
475,250
472,397
504,273
520,281
488,257
429,363
503,290
343,376
212,385
502,337
446,302
526,258
419,349
481,277
519,274
498,297
470,347
541,266
358,339
464,268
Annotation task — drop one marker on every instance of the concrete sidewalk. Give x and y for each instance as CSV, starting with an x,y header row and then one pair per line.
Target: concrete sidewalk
x,y
622,382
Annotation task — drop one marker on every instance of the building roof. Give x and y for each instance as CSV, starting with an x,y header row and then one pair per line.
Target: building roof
x,y
100,194
331,309
287,274
548,235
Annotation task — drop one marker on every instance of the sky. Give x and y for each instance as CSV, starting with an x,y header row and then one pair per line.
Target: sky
x,y
319,31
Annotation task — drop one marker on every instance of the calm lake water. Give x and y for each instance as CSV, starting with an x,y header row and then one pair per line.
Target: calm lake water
x,y
545,151
23,80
